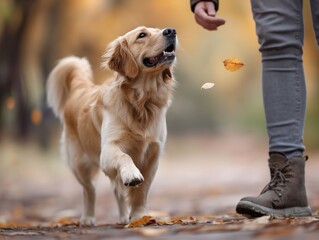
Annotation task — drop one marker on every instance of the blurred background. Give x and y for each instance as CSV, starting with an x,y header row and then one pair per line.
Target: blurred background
x,y
222,124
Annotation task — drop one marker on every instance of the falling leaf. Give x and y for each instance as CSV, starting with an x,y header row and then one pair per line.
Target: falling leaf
x,y
207,85
146,220
233,64
10,103
36,116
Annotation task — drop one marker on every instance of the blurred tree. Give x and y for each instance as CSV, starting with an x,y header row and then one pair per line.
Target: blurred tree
x,y
15,21
26,34
35,34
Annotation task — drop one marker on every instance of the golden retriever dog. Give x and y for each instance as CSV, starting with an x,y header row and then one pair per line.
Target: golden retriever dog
x,y
120,125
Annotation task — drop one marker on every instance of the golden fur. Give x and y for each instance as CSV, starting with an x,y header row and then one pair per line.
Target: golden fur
x,y
119,126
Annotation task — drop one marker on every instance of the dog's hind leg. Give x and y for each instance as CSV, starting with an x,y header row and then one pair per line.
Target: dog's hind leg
x,y
88,215
85,175
84,171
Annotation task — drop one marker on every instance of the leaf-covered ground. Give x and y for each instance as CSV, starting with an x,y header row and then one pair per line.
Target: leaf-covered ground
x,y
194,195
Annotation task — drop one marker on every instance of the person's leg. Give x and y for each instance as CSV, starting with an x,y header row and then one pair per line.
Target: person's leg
x,y
315,17
279,26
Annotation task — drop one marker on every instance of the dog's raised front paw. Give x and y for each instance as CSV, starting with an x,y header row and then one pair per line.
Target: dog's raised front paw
x,y
134,182
131,176
87,221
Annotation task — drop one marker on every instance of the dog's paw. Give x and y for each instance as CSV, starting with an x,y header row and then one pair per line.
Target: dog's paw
x,y
123,220
134,182
87,222
131,177
138,214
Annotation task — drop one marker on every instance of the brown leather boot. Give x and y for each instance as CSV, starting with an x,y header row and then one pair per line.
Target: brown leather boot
x,y
285,195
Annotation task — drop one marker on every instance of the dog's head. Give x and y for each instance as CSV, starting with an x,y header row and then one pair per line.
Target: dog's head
x,y
142,50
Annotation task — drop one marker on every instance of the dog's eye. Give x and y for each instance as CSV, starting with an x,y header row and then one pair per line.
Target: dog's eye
x,y
141,35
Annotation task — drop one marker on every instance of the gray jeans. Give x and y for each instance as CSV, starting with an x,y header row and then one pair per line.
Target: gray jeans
x,y
280,30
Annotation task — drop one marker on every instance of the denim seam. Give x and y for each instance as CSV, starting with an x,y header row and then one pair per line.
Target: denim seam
x,y
298,36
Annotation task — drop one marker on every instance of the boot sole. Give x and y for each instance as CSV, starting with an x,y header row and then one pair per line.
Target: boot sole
x,y
255,210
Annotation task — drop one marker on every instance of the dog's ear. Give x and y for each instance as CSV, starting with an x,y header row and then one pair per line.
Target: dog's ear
x,y
119,58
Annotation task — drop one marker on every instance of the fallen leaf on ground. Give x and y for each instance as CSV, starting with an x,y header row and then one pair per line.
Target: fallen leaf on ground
x,y
256,223
233,64
162,223
207,85
67,221
262,220
183,220
14,225
146,220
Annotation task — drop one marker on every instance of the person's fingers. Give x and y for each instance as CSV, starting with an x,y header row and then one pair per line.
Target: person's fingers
x,y
201,12
211,23
205,16
205,25
210,19
210,8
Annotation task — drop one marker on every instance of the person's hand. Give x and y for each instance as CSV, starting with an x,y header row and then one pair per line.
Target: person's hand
x,y
205,15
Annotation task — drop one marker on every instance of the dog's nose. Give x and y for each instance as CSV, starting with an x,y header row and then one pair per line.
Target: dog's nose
x,y
169,32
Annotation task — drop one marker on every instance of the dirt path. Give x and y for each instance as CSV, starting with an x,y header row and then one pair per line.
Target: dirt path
x,y
195,191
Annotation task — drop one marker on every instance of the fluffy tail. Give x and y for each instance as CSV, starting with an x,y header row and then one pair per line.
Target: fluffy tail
x,y
59,81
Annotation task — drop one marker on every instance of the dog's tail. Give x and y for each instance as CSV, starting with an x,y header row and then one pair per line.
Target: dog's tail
x,y
60,78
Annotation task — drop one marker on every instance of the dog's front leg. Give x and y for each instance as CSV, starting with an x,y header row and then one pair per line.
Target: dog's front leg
x,y
115,163
138,196
121,198
121,169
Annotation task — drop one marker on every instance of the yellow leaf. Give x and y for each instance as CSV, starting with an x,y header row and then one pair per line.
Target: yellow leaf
x,y
146,220
162,223
233,64
207,85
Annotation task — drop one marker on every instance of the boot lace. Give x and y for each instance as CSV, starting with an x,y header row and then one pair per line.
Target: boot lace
x,y
280,178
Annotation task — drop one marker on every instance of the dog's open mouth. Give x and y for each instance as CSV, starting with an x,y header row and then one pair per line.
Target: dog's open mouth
x,y
167,56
